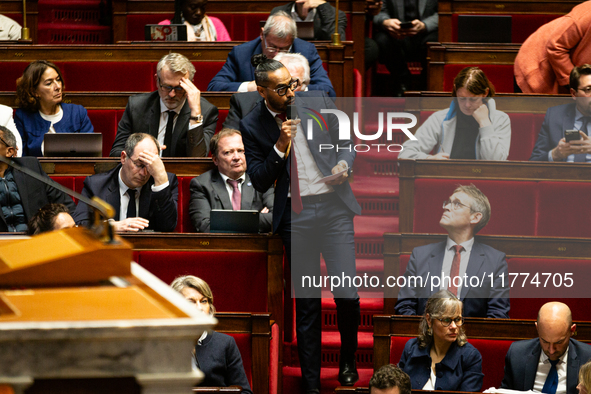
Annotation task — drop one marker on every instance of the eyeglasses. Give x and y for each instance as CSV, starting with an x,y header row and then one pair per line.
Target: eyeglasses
x,y
282,90
138,164
168,89
445,322
273,49
455,205
6,143
586,90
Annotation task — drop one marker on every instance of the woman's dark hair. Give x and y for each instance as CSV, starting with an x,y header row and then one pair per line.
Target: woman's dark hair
x,y
178,12
263,66
26,85
44,220
474,80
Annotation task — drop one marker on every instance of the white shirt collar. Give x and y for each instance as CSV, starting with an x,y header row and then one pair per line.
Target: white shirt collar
x,y
164,108
467,245
225,178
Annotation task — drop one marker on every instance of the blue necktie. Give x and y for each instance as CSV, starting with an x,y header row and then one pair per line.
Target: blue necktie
x,y
552,380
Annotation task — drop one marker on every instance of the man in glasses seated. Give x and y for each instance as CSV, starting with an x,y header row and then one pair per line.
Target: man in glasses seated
x,y
242,103
455,263
278,35
143,194
175,114
554,142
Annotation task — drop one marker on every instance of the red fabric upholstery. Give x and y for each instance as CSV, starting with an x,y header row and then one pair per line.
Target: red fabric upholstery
x,y
522,26
274,359
237,280
10,71
493,359
403,262
564,209
511,202
357,84
244,343
205,73
185,218
104,122
396,348
79,183
108,76
501,75
523,136
67,181
223,114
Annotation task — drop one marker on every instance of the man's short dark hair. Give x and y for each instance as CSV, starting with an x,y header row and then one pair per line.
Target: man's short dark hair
x,y
575,75
225,132
135,139
8,136
390,376
262,67
44,220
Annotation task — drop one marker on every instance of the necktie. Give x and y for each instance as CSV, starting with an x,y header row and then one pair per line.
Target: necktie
x,y
455,269
236,196
552,380
582,157
168,134
131,210
296,198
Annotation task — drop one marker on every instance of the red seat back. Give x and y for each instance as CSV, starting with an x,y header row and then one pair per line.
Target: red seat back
x,y
501,75
564,209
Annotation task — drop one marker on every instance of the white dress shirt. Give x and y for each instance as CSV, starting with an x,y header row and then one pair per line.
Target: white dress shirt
x,y
544,368
124,197
229,187
164,120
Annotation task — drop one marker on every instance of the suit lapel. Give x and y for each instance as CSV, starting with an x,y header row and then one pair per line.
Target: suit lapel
x,y
436,261
531,365
268,123
474,264
400,9
568,122
219,188
572,368
422,6
114,197
247,194
154,118
181,126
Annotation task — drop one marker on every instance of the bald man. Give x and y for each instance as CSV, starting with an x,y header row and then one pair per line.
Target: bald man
x,y
529,365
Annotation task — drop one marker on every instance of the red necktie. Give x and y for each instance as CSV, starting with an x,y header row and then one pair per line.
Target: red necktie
x,y
455,269
296,198
236,196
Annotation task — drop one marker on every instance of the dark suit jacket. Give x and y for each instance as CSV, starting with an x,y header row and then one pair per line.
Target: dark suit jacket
x,y
557,119
490,299
521,364
260,133
238,68
323,20
395,9
35,194
208,192
159,208
240,105
142,115
460,369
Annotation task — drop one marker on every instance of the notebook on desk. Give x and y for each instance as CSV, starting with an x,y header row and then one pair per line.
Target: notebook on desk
x,y
226,221
165,32
485,28
73,145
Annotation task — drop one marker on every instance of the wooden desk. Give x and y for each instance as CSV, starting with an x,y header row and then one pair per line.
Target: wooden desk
x,y
449,7
355,9
339,59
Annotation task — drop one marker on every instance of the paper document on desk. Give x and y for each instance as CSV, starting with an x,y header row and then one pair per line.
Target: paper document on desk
x,y
330,177
493,390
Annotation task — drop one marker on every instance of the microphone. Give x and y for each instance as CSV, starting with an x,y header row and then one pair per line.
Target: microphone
x,y
292,112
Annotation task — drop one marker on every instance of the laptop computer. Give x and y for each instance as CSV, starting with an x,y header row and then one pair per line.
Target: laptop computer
x,y
165,32
226,221
73,145
485,28
305,29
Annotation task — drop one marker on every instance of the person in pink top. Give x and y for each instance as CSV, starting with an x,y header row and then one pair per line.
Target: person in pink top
x,y
200,27
546,58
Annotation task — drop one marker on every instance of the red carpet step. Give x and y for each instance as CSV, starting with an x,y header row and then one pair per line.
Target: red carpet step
x,y
328,379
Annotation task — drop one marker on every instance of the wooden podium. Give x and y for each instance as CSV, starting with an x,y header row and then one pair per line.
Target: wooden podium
x,y
73,308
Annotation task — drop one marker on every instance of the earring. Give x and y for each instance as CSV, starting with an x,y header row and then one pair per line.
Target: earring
x,y
430,331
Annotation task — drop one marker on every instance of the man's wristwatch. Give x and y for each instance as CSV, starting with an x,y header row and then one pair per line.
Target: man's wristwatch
x,y
198,118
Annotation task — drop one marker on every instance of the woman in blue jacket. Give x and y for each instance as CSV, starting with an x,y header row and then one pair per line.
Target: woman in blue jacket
x,y
39,96
441,357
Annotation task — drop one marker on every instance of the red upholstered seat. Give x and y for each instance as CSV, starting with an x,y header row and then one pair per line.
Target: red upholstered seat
x,y
185,218
493,359
513,205
501,75
244,273
564,209
403,262
223,114
67,181
396,348
104,122
108,76
244,343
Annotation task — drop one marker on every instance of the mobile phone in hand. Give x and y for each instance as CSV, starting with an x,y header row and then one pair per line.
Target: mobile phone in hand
x,y
406,25
571,135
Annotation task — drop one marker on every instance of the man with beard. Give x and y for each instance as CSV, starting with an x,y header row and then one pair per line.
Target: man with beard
x,y
548,364
311,217
551,144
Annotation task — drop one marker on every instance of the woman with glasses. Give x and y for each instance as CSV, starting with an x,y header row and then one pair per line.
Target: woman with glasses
x,y
200,27
441,357
215,354
39,96
471,128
